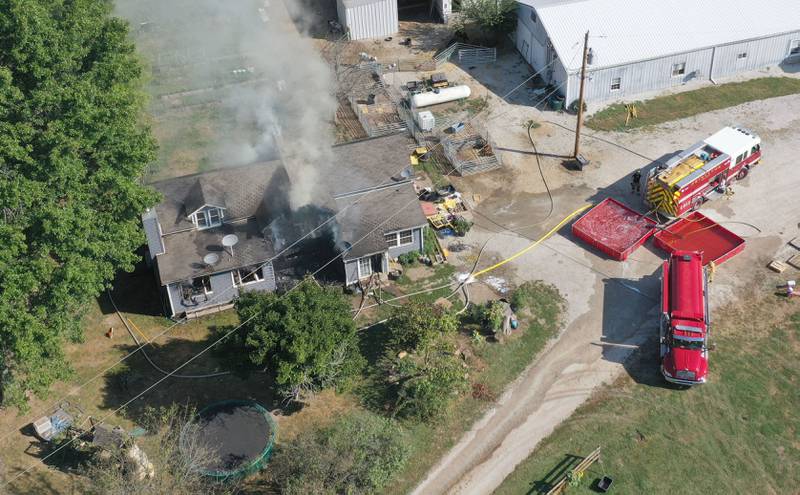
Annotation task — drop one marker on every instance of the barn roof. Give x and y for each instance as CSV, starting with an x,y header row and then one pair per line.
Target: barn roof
x,y
625,31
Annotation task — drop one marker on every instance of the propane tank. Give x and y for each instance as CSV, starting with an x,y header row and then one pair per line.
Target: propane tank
x,y
443,95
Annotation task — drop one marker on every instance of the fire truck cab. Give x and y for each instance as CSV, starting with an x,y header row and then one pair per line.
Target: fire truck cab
x,y
684,326
702,171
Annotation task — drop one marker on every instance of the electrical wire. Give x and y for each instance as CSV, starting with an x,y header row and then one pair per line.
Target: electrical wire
x,y
172,373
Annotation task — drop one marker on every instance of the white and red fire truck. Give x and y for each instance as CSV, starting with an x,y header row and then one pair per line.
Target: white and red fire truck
x,y
702,171
684,327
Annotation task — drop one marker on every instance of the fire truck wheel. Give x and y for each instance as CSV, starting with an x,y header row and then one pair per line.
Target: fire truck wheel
x,y
697,203
742,173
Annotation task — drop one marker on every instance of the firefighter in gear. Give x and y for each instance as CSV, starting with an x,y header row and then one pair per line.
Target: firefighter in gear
x,y
636,182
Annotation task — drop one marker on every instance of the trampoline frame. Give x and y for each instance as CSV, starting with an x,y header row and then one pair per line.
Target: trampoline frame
x,y
258,462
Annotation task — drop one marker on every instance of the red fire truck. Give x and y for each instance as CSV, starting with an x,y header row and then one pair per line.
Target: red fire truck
x,y
702,171
684,326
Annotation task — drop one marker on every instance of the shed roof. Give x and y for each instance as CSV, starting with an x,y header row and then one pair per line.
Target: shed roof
x,y
625,31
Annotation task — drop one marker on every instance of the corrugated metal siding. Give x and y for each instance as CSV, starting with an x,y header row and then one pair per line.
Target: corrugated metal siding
x,y
760,53
627,31
369,19
641,76
152,232
656,74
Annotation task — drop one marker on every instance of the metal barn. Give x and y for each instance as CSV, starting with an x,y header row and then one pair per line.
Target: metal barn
x,y
368,18
647,45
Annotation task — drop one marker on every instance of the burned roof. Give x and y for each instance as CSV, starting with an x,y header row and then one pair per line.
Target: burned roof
x,y
243,190
369,216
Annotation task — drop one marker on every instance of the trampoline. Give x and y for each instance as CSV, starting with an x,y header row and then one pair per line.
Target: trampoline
x,y
239,433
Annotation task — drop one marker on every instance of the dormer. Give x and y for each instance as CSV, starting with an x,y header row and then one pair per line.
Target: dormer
x,y
205,205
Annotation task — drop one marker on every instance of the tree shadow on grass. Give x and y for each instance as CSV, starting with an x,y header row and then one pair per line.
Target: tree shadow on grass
x,y
190,385
135,293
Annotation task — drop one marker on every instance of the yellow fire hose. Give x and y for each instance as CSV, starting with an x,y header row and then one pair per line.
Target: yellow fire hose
x,y
536,243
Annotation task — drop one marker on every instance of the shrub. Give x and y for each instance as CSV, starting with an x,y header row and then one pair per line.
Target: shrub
x,y
358,454
416,325
461,226
492,316
408,259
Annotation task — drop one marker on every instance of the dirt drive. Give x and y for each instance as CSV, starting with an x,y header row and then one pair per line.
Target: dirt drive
x,y
612,305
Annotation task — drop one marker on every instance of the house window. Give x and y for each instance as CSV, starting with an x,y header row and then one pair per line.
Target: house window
x,y
248,275
397,239
678,69
207,218
616,83
203,284
364,267
741,56
406,237
794,47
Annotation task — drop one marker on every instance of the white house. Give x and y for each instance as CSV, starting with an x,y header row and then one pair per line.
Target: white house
x,y
638,46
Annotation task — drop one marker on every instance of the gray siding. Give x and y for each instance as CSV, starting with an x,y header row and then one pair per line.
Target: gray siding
x,y
641,76
223,289
414,246
153,233
649,75
760,53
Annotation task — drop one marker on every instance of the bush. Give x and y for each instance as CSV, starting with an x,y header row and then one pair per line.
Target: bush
x,y
461,226
408,259
492,316
417,325
358,454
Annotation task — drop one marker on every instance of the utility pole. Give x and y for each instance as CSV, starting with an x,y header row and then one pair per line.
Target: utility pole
x,y
580,97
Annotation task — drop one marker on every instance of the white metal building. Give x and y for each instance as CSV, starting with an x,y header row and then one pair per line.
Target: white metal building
x,y
645,45
367,19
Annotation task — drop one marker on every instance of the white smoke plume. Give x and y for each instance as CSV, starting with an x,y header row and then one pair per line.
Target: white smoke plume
x,y
288,93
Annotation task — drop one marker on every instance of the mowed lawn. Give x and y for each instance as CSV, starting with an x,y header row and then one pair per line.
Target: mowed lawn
x,y
740,433
682,105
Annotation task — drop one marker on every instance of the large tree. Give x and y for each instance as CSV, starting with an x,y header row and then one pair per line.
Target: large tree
x,y
72,150
306,338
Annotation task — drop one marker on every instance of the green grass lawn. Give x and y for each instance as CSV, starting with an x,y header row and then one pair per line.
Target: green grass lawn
x,y
736,434
682,105
494,365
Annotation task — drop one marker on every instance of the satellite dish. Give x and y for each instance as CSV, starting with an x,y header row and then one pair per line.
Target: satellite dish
x,y
229,241
211,259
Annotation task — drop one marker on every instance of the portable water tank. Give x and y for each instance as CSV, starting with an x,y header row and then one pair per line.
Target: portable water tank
x,y
426,120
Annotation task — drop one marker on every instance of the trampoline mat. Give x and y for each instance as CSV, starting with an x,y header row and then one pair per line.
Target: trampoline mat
x,y
236,434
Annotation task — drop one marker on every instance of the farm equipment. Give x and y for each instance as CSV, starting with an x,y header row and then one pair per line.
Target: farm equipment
x,y
702,171
684,325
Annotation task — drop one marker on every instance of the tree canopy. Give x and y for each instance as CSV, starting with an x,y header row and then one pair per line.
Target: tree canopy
x,y
72,150
492,16
416,325
306,338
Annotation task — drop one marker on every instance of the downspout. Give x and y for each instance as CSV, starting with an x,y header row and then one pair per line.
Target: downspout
x,y
711,69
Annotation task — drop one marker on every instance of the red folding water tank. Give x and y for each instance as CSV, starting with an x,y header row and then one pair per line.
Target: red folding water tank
x,y
613,228
697,232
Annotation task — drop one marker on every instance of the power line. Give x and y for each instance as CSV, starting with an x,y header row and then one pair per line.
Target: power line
x,y
173,372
